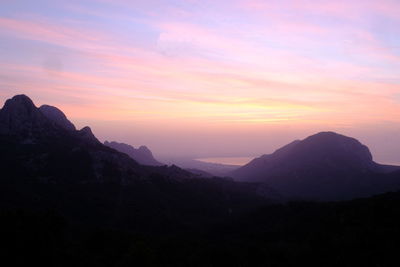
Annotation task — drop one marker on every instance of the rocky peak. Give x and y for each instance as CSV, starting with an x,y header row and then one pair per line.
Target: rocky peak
x,y
20,102
57,116
20,116
86,134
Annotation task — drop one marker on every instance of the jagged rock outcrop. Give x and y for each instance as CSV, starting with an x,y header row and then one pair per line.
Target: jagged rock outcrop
x,y
86,134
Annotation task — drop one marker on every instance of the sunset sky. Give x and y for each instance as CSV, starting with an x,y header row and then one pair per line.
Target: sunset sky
x,y
210,78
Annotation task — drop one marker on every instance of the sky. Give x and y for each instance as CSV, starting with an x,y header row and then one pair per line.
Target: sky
x,y
201,78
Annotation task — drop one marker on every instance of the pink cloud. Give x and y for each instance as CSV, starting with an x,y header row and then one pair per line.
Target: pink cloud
x,y
47,31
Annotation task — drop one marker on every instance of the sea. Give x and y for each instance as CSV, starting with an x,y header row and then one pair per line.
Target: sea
x,y
227,160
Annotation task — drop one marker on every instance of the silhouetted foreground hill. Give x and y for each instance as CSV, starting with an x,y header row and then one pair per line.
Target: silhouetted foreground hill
x,y
358,233
323,166
142,154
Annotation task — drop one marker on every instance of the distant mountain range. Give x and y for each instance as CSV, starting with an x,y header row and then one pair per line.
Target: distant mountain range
x,y
143,155
324,166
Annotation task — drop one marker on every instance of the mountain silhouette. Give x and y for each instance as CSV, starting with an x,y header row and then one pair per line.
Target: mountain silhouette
x,y
326,165
54,151
143,155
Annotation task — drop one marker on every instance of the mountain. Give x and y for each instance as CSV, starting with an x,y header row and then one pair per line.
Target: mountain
x,y
326,166
143,155
20,118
